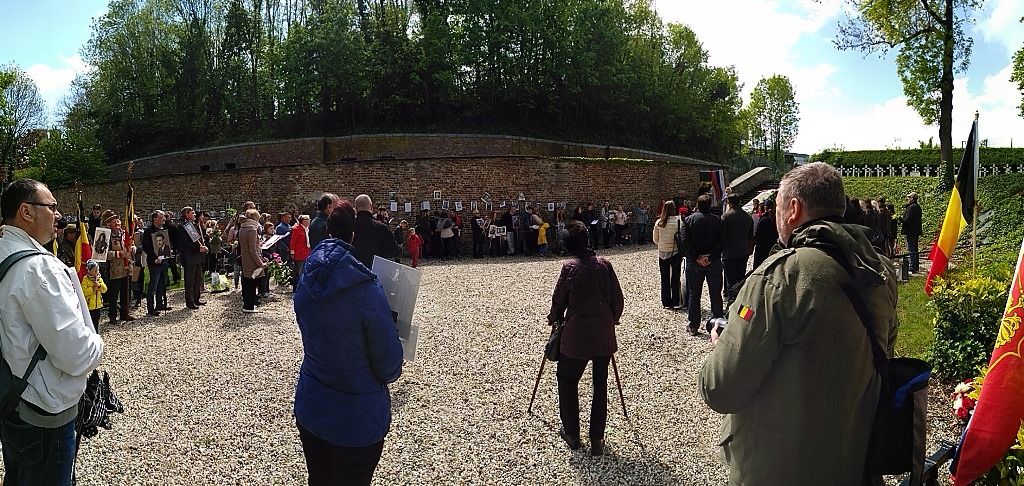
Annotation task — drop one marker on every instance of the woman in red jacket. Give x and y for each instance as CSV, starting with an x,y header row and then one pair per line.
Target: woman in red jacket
x,y
299,248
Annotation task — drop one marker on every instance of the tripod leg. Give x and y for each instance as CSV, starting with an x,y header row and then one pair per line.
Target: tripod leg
x,y
622,399
536,384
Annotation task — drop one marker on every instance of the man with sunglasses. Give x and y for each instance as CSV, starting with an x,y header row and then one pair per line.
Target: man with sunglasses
x,y
41,306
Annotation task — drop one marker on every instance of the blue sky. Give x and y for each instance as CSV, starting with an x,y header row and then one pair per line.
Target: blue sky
x,y
846,99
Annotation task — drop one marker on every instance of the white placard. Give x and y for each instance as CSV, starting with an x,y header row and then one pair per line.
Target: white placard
x,y
100,244
193,233
425,205
271,242
401,285
408,207
458,206
394,207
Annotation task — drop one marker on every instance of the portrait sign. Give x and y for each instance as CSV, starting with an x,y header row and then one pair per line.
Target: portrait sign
x,y
445,205
473,205
100,244
192,231
458,206
393,207
401,285
161,243
502,204
500,230
408,207
437,194
551,206
425,205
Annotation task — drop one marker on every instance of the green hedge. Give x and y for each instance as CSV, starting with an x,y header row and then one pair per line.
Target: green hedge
x,y
968,315
895,189
920,157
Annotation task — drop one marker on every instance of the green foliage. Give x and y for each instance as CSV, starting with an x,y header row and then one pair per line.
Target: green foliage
x,y
69,156
21,110
1001,226
173,75
919,157
1018,75
773,116
968,315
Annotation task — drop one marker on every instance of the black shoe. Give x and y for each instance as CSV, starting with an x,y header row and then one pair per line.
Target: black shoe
x,y
693,331
596,447
164,308
193,307
574,444
200,303
154,313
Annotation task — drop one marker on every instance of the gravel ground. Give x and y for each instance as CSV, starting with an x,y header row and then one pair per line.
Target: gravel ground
x,y
208,394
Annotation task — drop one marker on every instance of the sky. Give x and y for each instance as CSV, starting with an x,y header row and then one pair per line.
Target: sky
x,y
847,100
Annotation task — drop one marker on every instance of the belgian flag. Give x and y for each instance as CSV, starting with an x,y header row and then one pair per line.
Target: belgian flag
x,y
83,252
959,213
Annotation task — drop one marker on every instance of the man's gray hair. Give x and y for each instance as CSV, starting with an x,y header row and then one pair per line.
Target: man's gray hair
x,y
818,186
155,214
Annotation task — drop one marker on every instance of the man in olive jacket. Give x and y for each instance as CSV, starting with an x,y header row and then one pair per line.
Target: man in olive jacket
x,y
793,369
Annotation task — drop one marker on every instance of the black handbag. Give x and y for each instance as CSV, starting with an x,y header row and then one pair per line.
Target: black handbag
x,y
554,341
678,237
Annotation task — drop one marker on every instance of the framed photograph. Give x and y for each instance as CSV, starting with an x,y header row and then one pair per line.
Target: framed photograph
x,y
425,205
551,206
515,205
408,207
492,231
393,207
473,205
392,196
500,231
100,244
458,206
437,194
522,197
502,204
193,232
445,205
161,243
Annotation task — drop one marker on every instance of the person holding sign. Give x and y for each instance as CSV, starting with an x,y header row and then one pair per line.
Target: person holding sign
x,y
192,247
351,352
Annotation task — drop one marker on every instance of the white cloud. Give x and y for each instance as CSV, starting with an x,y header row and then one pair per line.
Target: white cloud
x,y
53,82
1002,25
893,124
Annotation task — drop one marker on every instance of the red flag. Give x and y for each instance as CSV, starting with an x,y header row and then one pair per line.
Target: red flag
x,y
959,213
1000,409
83,252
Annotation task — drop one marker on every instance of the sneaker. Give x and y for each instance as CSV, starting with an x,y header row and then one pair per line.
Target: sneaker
x,y
249,311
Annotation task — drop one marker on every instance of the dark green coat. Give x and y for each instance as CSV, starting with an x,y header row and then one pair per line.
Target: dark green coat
x,y
795,372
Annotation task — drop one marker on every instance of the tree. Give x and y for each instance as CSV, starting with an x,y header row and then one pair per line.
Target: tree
x,y
66,156
1018,73
22,109
773,117
932,49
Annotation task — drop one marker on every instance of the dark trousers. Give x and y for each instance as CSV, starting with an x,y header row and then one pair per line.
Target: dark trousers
x,y
37,455
297,271
248,293
175,272
447,247
734,269
670,280
695,277
156,293
620,229
595,235
912,250
193,283
333,465
608,232
263,285
569,372
479,243
117,298
641,233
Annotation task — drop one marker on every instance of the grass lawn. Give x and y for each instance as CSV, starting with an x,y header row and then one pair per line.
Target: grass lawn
x,y
916,316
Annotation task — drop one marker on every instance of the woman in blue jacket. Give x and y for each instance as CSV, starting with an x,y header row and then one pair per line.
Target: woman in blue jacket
x,y
351,352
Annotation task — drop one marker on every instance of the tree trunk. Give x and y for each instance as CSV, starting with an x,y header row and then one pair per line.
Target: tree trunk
x,y
946,100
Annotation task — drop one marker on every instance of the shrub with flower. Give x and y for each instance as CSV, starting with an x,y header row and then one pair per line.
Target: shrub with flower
x,y
1009,471
215,236
277,269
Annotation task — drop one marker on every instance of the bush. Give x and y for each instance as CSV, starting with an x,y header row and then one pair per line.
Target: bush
x,y
919,157
968,315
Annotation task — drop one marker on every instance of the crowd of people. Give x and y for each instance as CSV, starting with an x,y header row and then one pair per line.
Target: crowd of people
x,y
342,402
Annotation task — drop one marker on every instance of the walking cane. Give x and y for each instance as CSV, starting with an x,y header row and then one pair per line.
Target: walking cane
x,y
618,382
537,384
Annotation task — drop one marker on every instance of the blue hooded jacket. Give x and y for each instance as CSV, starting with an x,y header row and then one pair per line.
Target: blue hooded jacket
x,y
351,349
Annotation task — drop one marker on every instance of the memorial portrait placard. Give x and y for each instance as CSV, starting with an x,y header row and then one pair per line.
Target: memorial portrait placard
x,y
100,244
401,285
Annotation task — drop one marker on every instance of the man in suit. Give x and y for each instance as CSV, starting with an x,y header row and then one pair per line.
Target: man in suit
x,y
371,236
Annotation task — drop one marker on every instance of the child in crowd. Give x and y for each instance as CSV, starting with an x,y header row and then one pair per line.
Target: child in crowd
x,y
542,238
415,243
93,287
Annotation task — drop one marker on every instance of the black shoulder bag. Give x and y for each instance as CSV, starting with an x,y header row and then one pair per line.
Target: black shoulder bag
x,y
11,387
898,432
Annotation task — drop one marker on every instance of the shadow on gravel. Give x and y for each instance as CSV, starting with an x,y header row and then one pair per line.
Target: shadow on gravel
x,y
612,468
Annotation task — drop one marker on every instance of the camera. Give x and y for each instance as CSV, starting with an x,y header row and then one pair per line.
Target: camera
x,y
715,325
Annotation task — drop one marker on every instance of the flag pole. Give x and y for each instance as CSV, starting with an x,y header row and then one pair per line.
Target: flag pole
x,y
974,202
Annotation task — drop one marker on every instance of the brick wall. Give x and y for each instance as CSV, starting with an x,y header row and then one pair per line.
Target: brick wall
x,y
465,179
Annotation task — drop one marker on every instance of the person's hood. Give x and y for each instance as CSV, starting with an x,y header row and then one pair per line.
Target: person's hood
x,y
332,268
251,223
846,240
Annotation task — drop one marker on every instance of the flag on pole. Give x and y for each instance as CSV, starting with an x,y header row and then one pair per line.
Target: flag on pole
x,y
82,250
129,218
959,213
999,412
718,184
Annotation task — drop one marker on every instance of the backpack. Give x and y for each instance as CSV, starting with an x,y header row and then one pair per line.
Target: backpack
x,y
11,387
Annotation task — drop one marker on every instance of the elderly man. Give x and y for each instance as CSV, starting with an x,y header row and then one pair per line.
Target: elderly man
x,y
371,236
119,262
794,369
42,317
191,246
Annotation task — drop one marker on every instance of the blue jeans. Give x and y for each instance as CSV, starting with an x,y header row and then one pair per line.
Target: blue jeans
x,y
157,287
695,277
34,455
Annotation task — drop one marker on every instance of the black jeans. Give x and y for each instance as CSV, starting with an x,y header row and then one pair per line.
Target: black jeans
x,y
595,234
695,276
333,465
734,269
569,372
248,293
670,279
193,283
116,298
912,250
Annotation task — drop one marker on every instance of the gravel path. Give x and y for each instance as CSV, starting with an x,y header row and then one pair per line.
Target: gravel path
x,y
208,394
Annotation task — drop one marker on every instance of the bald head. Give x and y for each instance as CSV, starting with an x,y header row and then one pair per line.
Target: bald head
x,y
363,203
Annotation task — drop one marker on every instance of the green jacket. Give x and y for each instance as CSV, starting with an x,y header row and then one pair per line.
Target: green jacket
x,y
793,369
